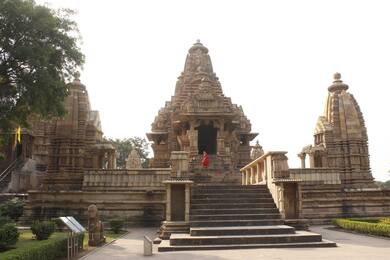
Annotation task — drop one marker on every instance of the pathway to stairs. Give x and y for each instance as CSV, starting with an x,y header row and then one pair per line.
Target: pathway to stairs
x,y
349,246
237,217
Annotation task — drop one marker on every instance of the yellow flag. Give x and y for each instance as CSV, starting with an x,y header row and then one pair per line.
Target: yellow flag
x,y
18,134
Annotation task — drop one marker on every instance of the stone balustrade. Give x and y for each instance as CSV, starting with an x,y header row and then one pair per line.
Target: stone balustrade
x,y
320,175
152,177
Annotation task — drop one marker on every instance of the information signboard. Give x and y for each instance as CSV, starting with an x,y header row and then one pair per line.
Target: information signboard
x,y
76,228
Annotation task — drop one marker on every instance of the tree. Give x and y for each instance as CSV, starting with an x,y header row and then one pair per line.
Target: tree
x,y
126,145
38,53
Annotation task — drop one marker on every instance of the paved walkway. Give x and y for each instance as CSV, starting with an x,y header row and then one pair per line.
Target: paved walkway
x,y
350,246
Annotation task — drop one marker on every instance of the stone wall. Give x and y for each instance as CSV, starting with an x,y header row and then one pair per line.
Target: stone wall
x,y
137,195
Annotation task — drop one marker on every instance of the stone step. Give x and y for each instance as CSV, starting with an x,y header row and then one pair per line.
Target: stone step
x,y
235,216
227,187
230,200
165,247
298,237
236,205
243,230
229,191
234,223
231,195
233,211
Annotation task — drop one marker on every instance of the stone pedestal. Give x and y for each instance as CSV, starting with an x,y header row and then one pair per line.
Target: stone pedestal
x,y
178,191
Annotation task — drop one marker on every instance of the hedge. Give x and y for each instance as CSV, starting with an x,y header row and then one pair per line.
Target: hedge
x,y
379,228
116,225
43,230
51,249
8,236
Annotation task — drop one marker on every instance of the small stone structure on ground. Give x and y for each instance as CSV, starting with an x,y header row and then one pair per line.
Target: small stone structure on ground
x,y
95,227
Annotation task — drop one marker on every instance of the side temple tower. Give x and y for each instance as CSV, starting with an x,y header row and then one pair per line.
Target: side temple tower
x,y
340,138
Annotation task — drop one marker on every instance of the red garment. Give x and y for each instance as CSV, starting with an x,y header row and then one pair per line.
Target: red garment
x,y
205,160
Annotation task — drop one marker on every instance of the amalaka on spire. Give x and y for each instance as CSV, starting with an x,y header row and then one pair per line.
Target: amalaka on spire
x,y
198,60
338,84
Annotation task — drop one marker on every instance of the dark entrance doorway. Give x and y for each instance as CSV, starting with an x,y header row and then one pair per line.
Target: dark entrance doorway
x,y
207,139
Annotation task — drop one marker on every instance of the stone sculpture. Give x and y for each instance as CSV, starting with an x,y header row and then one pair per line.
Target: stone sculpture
x,y
95,227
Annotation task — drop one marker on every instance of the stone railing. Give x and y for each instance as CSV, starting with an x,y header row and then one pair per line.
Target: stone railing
x,y
321,175
132,178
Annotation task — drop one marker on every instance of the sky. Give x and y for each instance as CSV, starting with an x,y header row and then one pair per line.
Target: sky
x,y
275,58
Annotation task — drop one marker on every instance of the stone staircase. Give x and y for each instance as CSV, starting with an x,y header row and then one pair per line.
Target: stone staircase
x,y
227,216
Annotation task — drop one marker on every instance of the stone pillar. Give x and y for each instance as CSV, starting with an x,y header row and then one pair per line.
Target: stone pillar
x,y
247,181
168,203
258,173
177,213
243,177
179,162
193,138
221,140
311,157
302,156
187,202
252,179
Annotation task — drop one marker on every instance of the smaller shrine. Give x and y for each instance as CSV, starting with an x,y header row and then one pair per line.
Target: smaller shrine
x,y
133,161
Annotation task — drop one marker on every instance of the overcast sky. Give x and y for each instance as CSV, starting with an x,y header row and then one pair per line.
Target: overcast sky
x,y
275,58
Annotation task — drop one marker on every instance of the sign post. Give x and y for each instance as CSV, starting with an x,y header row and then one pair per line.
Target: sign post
x,y
75,229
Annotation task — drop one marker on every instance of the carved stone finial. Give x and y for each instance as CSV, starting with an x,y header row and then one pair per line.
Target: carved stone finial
x,y
197,41
338,84
257,151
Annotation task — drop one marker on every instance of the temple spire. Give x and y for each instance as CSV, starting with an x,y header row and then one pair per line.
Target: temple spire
x,y
198,60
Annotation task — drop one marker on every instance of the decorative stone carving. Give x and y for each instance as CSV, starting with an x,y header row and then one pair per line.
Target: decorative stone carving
x,y
257,151
133,161
95,227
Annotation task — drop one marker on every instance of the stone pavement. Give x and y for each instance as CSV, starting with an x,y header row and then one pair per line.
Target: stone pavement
x,y
350,246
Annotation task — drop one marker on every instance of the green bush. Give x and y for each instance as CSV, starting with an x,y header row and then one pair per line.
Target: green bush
x,y
43,230
5,220
363,226
116,225
12,208
48,250
8,235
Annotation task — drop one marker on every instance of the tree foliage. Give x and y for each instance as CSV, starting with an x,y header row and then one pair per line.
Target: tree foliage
x,y
126,145
12,208
39,53
383,185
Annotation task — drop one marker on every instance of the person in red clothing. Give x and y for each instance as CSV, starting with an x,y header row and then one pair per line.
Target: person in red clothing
x,y
205,160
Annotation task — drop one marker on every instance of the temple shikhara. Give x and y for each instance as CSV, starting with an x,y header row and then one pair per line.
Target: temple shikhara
x,y
200,118
62,166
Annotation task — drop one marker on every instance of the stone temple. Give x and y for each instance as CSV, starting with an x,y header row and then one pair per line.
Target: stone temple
x,y
64,165
200,118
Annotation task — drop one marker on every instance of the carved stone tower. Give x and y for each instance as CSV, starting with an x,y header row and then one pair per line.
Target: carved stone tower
x,y
76,143
340,138
200,118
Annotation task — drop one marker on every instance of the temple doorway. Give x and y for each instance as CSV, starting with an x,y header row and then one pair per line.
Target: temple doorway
x,y
207,139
